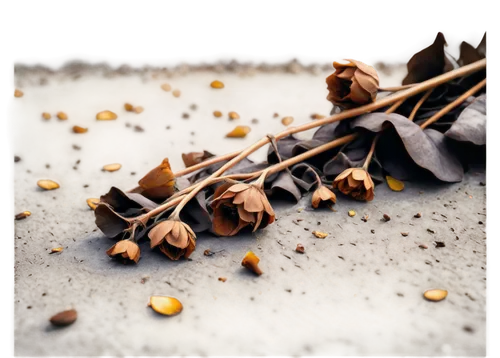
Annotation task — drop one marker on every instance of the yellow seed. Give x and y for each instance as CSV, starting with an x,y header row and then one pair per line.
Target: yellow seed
x,y
394,184
56,249
138,109
92,203
319,234
22,215
111,167
351,213
239,132
106,116
165,305
128,107
176,93
78,129
435,295
166,87
62,116
217,84
47,184
18,93
217,114
46,116
234,115
287,120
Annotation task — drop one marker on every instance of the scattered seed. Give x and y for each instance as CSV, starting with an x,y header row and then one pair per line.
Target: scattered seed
x,y
92,203
217,114
62,116
47,184
276,115
251,262
320,234
317,116
208,252
64,318
405,234
255,121
300,249
435,295
17,158
386,217
138,128
482,183
138,109
431,231
185,115
22,215
217,84
423,246
166,87
18,93
165,305
111,167
364,218
78,129
56,249
128,107
239,132
351,213
394,184
439,243
417,215
222,279
193,107
76,147
287,120
46,116
233,115
106,116
176,93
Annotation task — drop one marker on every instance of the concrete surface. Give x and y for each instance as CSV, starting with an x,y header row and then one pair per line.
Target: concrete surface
x,y
352,293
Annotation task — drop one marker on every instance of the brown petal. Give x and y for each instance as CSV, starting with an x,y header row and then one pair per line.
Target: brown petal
x,y
344,174
253,204
359,174
347,74
159,231
134,252
369,70
221,225
259,220
239,132
190,248
245,215
358,94
316,199
236,188
369,195
241,197
353,183
394,184
268,208
189,230
368,83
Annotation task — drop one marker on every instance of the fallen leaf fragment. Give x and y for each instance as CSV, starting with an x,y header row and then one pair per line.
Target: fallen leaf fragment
x,y
394,184
251,262
111,167
106,116
92,203
166,87
320,234
176,93
46,116
287,120
47,184
129,107
217,114
217,84
222,279
300,249
78,129
239,132
351,213
56,249
233,115
22,215
165,305
18,93
64,318
435,295
62,116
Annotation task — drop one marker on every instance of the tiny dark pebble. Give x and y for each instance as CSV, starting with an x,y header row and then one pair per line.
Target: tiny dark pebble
x,y
138,129
17,159
405,234
300,248
193,107
387,217
127,125
208,252
276,115
439,244
468,329
47,166
417,215
364,218
372,231
482,183
75,168
431,231
78,161
76,147
185,115
192,133
86,186
168,127
480,222
64,318
255,121
306,229
423,246
132,173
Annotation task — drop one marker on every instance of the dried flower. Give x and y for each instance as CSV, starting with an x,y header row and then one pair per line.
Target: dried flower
x,y
355,182
352,84
125,250
322,195
239,205
251,262
174,238
159,182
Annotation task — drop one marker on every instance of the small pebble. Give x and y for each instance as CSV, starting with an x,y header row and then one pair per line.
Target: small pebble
x,y
405,234
386,217
417,215
300,248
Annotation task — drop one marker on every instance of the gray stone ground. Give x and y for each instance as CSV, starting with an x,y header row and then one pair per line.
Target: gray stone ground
x,y
352,293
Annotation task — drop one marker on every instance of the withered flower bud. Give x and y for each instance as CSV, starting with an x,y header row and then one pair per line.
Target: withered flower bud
x,y
239,205
352,84
174,238
125,251
355,182
322,195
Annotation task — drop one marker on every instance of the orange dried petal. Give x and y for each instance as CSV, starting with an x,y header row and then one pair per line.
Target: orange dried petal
x,y
217,114
239,132
176,93
18,93
106,116
351,213
47,184
92,203
165,305
56,249
251,262
46,116
62,116
217,84
128,107
78,129
111,167
435,295
233,115
287,120
22,215
166,87
394,184
320,234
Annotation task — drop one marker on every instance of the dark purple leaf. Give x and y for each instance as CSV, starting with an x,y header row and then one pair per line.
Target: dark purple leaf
x,y
470,125
428,148
284,186
108,221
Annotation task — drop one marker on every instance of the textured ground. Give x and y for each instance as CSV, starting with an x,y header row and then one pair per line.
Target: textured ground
x,y
352,293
